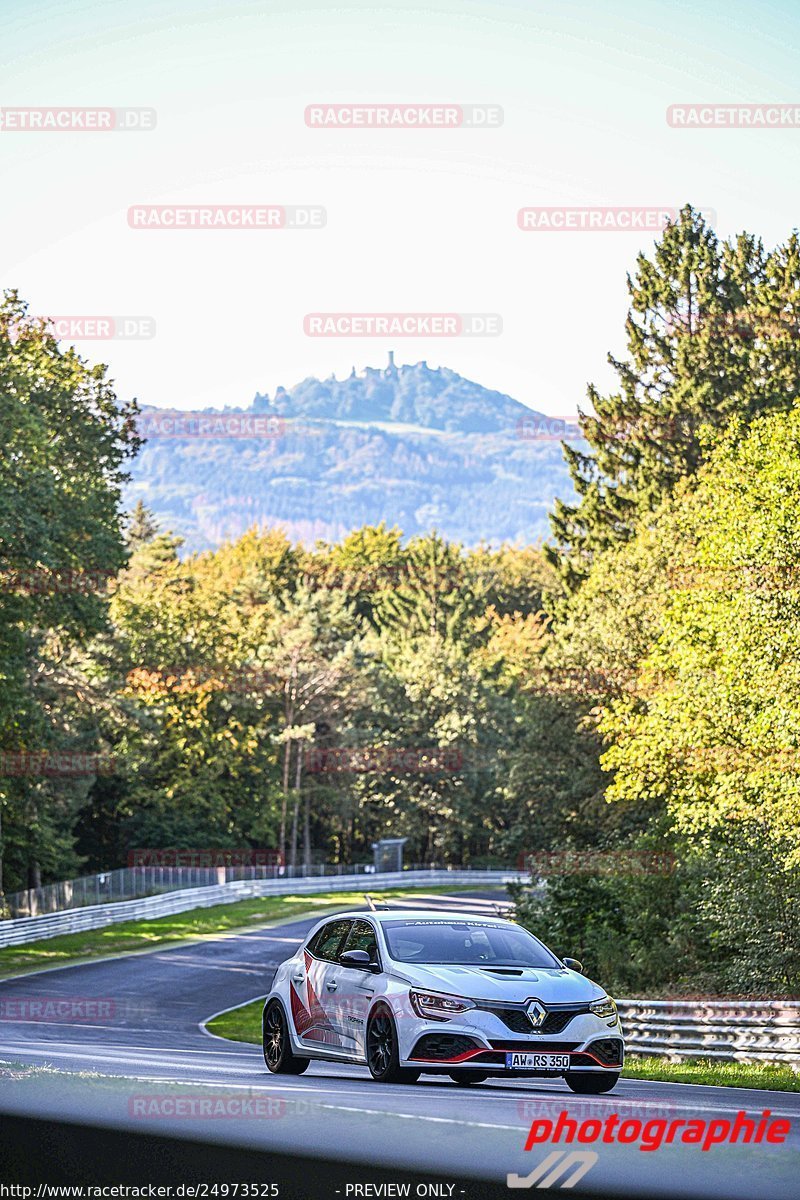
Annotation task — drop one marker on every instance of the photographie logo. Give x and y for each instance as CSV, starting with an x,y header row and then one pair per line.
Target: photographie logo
x,y
734,116
54,1008
402,324
41,581
47,764
77,120
227,216
403,116
213,857
650,1135
548,429
380,760
174,424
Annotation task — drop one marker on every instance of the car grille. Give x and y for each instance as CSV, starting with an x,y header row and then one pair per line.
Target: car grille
x,y
443,1046
538,1046
607,1050
557,1019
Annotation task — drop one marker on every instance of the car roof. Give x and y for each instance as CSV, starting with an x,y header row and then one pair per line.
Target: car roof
x,y
418,914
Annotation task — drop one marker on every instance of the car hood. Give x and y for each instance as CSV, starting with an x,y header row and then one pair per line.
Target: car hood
x,y
551,985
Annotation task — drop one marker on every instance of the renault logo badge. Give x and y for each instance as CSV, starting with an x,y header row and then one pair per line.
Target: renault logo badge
x,y
536,1013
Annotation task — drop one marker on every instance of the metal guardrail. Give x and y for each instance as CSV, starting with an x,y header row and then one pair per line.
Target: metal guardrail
x,y
131,883
18,931
728,1030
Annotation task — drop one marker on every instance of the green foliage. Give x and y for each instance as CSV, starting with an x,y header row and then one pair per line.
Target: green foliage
x,y
712,334
628,931
65,439
712,728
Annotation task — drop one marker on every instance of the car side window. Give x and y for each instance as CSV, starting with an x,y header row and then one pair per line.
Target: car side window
x,y
362,937
328,943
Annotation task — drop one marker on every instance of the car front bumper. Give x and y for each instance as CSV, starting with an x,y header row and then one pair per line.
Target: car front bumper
x,y
481,1043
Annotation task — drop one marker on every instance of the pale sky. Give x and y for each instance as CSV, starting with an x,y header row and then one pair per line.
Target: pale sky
x,y
417,220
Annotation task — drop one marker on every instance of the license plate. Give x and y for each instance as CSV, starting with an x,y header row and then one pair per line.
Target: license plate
x,y
519,1060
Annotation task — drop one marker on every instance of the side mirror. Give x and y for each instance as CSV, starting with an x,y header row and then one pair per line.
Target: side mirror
x,y
358,959
572,964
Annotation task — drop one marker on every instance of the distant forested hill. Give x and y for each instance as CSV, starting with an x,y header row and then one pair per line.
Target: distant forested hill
x,y
414,446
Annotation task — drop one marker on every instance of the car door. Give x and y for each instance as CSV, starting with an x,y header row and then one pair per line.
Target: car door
x,y
356,987
314,987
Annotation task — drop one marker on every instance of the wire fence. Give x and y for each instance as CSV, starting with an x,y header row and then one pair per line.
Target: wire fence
x,y
21,930
133,883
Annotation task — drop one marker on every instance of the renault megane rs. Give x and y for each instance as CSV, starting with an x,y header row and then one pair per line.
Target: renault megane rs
x,y
412,992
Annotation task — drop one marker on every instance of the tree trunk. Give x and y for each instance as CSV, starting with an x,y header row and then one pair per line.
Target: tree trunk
x,y
307,834
287,750
293,853
296,812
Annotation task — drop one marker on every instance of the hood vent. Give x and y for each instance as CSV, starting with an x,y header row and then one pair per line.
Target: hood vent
x,y
502,971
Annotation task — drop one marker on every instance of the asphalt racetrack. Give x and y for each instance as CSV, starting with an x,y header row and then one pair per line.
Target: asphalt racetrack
x,y
148,1042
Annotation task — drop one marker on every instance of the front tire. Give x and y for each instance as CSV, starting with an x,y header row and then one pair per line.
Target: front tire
x,y
277,1047
466,1077
591,1085
383,1052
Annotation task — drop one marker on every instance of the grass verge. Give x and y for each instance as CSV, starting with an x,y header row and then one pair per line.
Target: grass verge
x,y
241,1024
772,1076
162,931
244,1025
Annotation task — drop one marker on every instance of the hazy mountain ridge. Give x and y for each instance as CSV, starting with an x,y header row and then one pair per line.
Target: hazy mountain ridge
x,y
431,397
418,447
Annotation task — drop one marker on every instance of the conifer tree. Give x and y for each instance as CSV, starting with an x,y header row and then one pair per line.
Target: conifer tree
x,y
712,333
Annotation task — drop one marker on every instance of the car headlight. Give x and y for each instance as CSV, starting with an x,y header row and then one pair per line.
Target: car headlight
x,y
604,1008
438,1008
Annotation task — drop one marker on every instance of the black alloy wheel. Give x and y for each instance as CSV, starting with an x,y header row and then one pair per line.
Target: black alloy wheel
x,y
277,1047
383,1056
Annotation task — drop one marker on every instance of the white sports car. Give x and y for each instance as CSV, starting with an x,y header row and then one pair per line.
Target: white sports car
x,y
407,992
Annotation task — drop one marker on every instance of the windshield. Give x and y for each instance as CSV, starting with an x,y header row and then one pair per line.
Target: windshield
x,y
468,943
